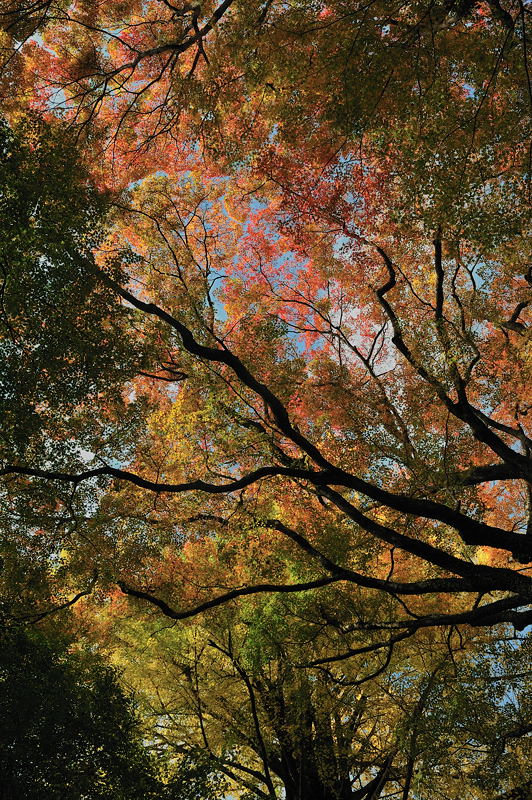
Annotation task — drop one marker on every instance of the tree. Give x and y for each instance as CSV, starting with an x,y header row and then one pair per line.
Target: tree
x,y
63,345
67,728
337,337
316,71
265,689
308,316
56,352
309,440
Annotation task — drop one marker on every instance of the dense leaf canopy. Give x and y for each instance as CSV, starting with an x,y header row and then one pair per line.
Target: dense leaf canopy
x,y
265,317
67,728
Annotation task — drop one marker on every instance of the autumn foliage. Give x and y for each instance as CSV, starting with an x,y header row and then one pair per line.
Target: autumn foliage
x,y
266,309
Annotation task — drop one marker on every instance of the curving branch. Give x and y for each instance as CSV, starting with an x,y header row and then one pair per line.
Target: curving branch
x,y
32,619
460,408
261,588
471,531
356,651
472,577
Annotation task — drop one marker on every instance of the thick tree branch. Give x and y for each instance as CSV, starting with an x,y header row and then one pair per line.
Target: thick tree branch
x,y
170,612
486,474
429,586
495,613
471,531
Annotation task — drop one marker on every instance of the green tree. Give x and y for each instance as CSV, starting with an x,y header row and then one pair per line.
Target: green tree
x,y
68,731
62,336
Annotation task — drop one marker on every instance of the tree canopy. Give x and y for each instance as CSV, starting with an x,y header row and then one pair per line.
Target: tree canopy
x,y
67,728
265,318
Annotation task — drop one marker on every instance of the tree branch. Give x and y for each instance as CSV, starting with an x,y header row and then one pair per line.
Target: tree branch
x,y
170,612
